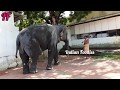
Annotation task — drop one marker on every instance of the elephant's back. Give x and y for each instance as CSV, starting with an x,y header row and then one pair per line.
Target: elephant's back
x,y
40,32
37,26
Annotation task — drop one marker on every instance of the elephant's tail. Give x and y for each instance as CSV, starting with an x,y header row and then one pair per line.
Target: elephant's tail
x,y
17,45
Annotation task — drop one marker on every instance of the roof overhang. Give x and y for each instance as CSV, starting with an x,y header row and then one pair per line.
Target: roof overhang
x,y
95,19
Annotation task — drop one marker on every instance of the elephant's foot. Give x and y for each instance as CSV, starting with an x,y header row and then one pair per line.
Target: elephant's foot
x,y
56,63
33,71
49,68
26,72
26,69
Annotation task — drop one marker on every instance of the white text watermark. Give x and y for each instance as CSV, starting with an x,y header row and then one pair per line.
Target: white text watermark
x,y
79,52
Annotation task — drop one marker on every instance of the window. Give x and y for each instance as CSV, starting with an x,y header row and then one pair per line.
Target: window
x,y
118,32
93,35
79,36
112,33
104,34
98,34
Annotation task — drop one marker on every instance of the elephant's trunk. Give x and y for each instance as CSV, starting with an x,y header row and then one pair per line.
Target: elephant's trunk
x,y
66,44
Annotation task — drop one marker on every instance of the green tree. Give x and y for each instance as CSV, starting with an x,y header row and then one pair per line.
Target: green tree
x,y
32,17
54,17
77,15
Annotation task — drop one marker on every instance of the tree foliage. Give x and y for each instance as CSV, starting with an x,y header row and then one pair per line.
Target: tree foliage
x,y
32,17
37,17
78,15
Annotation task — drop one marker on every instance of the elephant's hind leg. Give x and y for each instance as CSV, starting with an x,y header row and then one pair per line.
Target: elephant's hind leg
x,y
33,66
25,62
35,52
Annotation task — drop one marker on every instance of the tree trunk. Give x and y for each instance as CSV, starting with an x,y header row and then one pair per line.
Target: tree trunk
x,y
53,18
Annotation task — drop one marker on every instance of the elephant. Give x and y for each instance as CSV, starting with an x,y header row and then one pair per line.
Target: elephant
x,y
33,40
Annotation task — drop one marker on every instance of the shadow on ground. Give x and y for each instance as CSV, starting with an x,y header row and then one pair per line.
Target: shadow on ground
x,y
72,67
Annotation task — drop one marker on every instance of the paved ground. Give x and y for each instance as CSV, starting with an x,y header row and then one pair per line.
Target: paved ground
x,y
72,67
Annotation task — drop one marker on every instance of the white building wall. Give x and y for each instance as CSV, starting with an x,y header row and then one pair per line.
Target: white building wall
x,y
106,42
8,34
112,23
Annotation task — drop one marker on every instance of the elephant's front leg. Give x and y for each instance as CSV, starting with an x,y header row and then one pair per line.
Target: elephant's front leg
x,y
50,59
56,61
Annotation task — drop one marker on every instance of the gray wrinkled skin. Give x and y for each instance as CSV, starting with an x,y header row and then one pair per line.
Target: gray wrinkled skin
x,y
32,41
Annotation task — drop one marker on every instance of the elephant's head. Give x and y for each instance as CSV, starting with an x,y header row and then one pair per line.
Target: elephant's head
x,y
63,35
